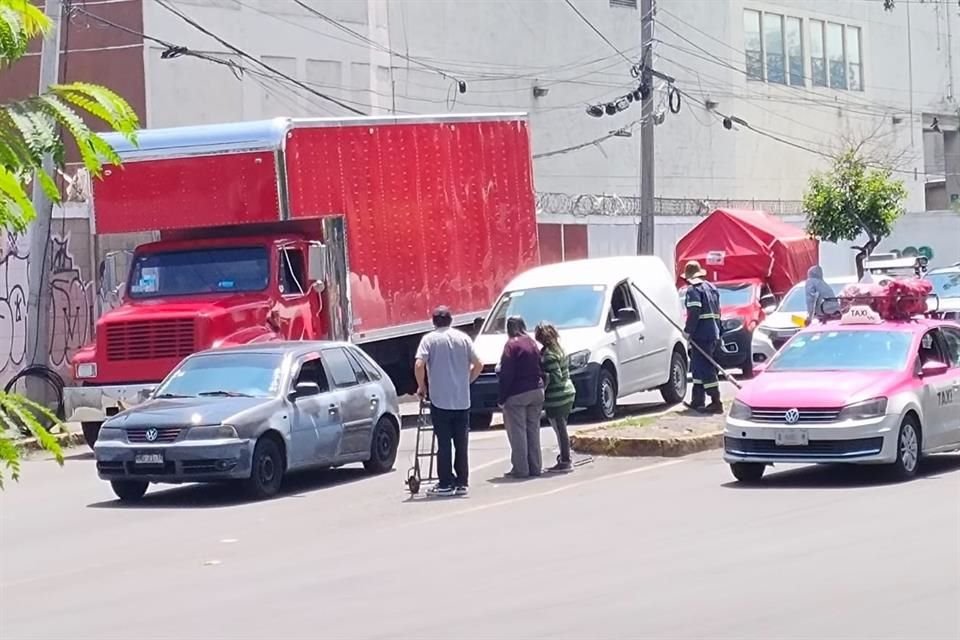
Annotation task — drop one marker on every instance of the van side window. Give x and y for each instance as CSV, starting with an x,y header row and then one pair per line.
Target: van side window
x,y
622,299
638,298
293,273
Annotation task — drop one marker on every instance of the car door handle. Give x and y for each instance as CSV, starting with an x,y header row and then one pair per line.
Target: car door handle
x,y
641,338
333,409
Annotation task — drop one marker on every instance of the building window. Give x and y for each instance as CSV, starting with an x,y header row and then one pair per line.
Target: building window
x,y
794,33
835,57
818,58
753,44
624,3
854,68
773,47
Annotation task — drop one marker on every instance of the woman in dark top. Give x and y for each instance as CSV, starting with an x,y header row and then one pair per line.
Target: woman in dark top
x,y
559,392
521,396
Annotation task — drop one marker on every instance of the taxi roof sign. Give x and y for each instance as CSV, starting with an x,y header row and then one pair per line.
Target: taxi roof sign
x,y
860,314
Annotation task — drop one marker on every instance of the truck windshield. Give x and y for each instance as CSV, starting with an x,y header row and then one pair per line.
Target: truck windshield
x,y
844,351
566,307
199,271
225,374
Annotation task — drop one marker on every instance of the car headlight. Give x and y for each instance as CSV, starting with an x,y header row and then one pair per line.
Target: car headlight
x,y
740,411
109,433
218,432
579,359
732,324
86,370
863,410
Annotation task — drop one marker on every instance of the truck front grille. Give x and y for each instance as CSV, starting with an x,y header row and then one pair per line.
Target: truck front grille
x,y
150,339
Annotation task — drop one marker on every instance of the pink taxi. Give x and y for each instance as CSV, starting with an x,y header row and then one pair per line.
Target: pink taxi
x,y
862,389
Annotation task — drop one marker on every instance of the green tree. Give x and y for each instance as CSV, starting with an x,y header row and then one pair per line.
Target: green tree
x,y
853,199
30,129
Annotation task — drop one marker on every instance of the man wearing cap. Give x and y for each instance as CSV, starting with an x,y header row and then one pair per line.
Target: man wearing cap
x,y
703,330
446,365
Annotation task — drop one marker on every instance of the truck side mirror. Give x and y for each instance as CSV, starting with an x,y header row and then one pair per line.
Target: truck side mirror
x,y
317,263
768,302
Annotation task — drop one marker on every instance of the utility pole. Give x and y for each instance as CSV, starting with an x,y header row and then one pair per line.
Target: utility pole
x,y
645,245
39,300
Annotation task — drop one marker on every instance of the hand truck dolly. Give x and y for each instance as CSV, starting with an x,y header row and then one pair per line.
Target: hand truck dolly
x,y
425,449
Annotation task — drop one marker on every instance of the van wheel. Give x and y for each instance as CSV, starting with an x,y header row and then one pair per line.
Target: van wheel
x,y
675,389
480,421
605,404
91,431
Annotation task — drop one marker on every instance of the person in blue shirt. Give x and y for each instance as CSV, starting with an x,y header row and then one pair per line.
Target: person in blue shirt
x,y
703,329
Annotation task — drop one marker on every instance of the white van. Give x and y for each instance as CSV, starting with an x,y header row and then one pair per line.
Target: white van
x,y
617,342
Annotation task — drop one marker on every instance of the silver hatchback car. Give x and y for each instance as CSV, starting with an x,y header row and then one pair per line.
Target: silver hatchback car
x,y
251,414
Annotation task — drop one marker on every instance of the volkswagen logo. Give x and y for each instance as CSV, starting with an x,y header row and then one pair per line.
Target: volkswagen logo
x,y
152,434
792,416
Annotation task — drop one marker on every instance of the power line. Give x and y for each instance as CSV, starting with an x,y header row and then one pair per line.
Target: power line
x,y
619,133
255,60
597,31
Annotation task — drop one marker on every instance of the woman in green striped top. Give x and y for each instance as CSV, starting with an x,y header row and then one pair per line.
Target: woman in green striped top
x,y
559,391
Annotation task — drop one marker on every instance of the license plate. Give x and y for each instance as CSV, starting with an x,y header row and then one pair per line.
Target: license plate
x,y
148,458
792,438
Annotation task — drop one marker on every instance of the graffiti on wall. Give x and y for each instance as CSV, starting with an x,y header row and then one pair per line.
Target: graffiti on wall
x,y
72,304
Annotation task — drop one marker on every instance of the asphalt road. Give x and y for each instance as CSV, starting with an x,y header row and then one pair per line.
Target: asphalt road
x,y
619,549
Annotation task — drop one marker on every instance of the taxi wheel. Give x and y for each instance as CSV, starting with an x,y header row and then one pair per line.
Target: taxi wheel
x,y
383,447
748,472
908,450
129,490
266,470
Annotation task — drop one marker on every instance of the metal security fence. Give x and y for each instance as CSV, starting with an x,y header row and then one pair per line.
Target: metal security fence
x,y
589,204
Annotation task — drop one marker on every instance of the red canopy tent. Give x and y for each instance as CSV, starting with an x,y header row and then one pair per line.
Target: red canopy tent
x,y
735,244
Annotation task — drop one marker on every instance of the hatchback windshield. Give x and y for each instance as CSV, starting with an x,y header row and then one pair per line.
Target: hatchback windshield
x,y
796,300
845,351
198,271
226,374
946,285
567,307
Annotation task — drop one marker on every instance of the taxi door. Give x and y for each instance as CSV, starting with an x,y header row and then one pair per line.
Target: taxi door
x,y
951,400
938,394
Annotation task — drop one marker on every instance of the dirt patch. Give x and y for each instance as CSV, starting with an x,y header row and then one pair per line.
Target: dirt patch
x,y
677,433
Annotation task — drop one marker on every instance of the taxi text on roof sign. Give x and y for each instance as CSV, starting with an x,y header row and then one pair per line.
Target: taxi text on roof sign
x,y
861,314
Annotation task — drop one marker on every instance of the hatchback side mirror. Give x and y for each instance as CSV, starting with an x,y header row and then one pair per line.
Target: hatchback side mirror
x,y
305,390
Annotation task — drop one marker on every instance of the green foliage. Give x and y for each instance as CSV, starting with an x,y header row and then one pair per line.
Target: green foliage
x,y
851,199
30,130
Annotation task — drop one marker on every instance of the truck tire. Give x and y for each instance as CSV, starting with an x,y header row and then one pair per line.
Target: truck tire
x,y
91,431
383,447
480,421
675,389
129,490
605,404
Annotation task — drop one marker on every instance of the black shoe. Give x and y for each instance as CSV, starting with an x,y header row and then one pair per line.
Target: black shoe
x,y
694,407
561,467
441,491
461,491
714,408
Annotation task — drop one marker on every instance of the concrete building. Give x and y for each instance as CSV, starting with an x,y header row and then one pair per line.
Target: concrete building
x,y
798,79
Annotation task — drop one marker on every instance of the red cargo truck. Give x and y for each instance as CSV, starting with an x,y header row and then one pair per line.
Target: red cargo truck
x,y
347,229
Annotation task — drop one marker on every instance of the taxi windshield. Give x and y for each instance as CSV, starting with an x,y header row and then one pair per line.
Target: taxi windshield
x,y
847,350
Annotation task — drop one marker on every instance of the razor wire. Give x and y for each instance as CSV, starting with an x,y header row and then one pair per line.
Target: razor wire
x,y
589,204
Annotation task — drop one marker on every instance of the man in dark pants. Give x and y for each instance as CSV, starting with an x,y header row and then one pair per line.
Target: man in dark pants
x,y
703,330
446,364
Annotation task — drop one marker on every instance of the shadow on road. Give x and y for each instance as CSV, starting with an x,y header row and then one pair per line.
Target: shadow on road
x,y
847,476
218,495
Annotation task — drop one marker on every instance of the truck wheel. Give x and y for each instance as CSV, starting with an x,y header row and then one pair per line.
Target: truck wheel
x,y
383,447
129,490
605,404
266,470
91,430
675,389
748,472
480,421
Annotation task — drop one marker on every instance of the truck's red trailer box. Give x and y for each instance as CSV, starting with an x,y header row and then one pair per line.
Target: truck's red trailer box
x,y
737,244
438,210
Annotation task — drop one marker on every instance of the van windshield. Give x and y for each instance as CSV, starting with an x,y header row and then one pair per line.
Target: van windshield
x,y
565,307
199,271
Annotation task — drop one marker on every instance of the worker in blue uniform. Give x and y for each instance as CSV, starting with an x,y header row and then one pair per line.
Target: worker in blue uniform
x,y
703,329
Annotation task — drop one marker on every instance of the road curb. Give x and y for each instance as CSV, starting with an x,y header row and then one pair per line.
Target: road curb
x,y
673,447
71,439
